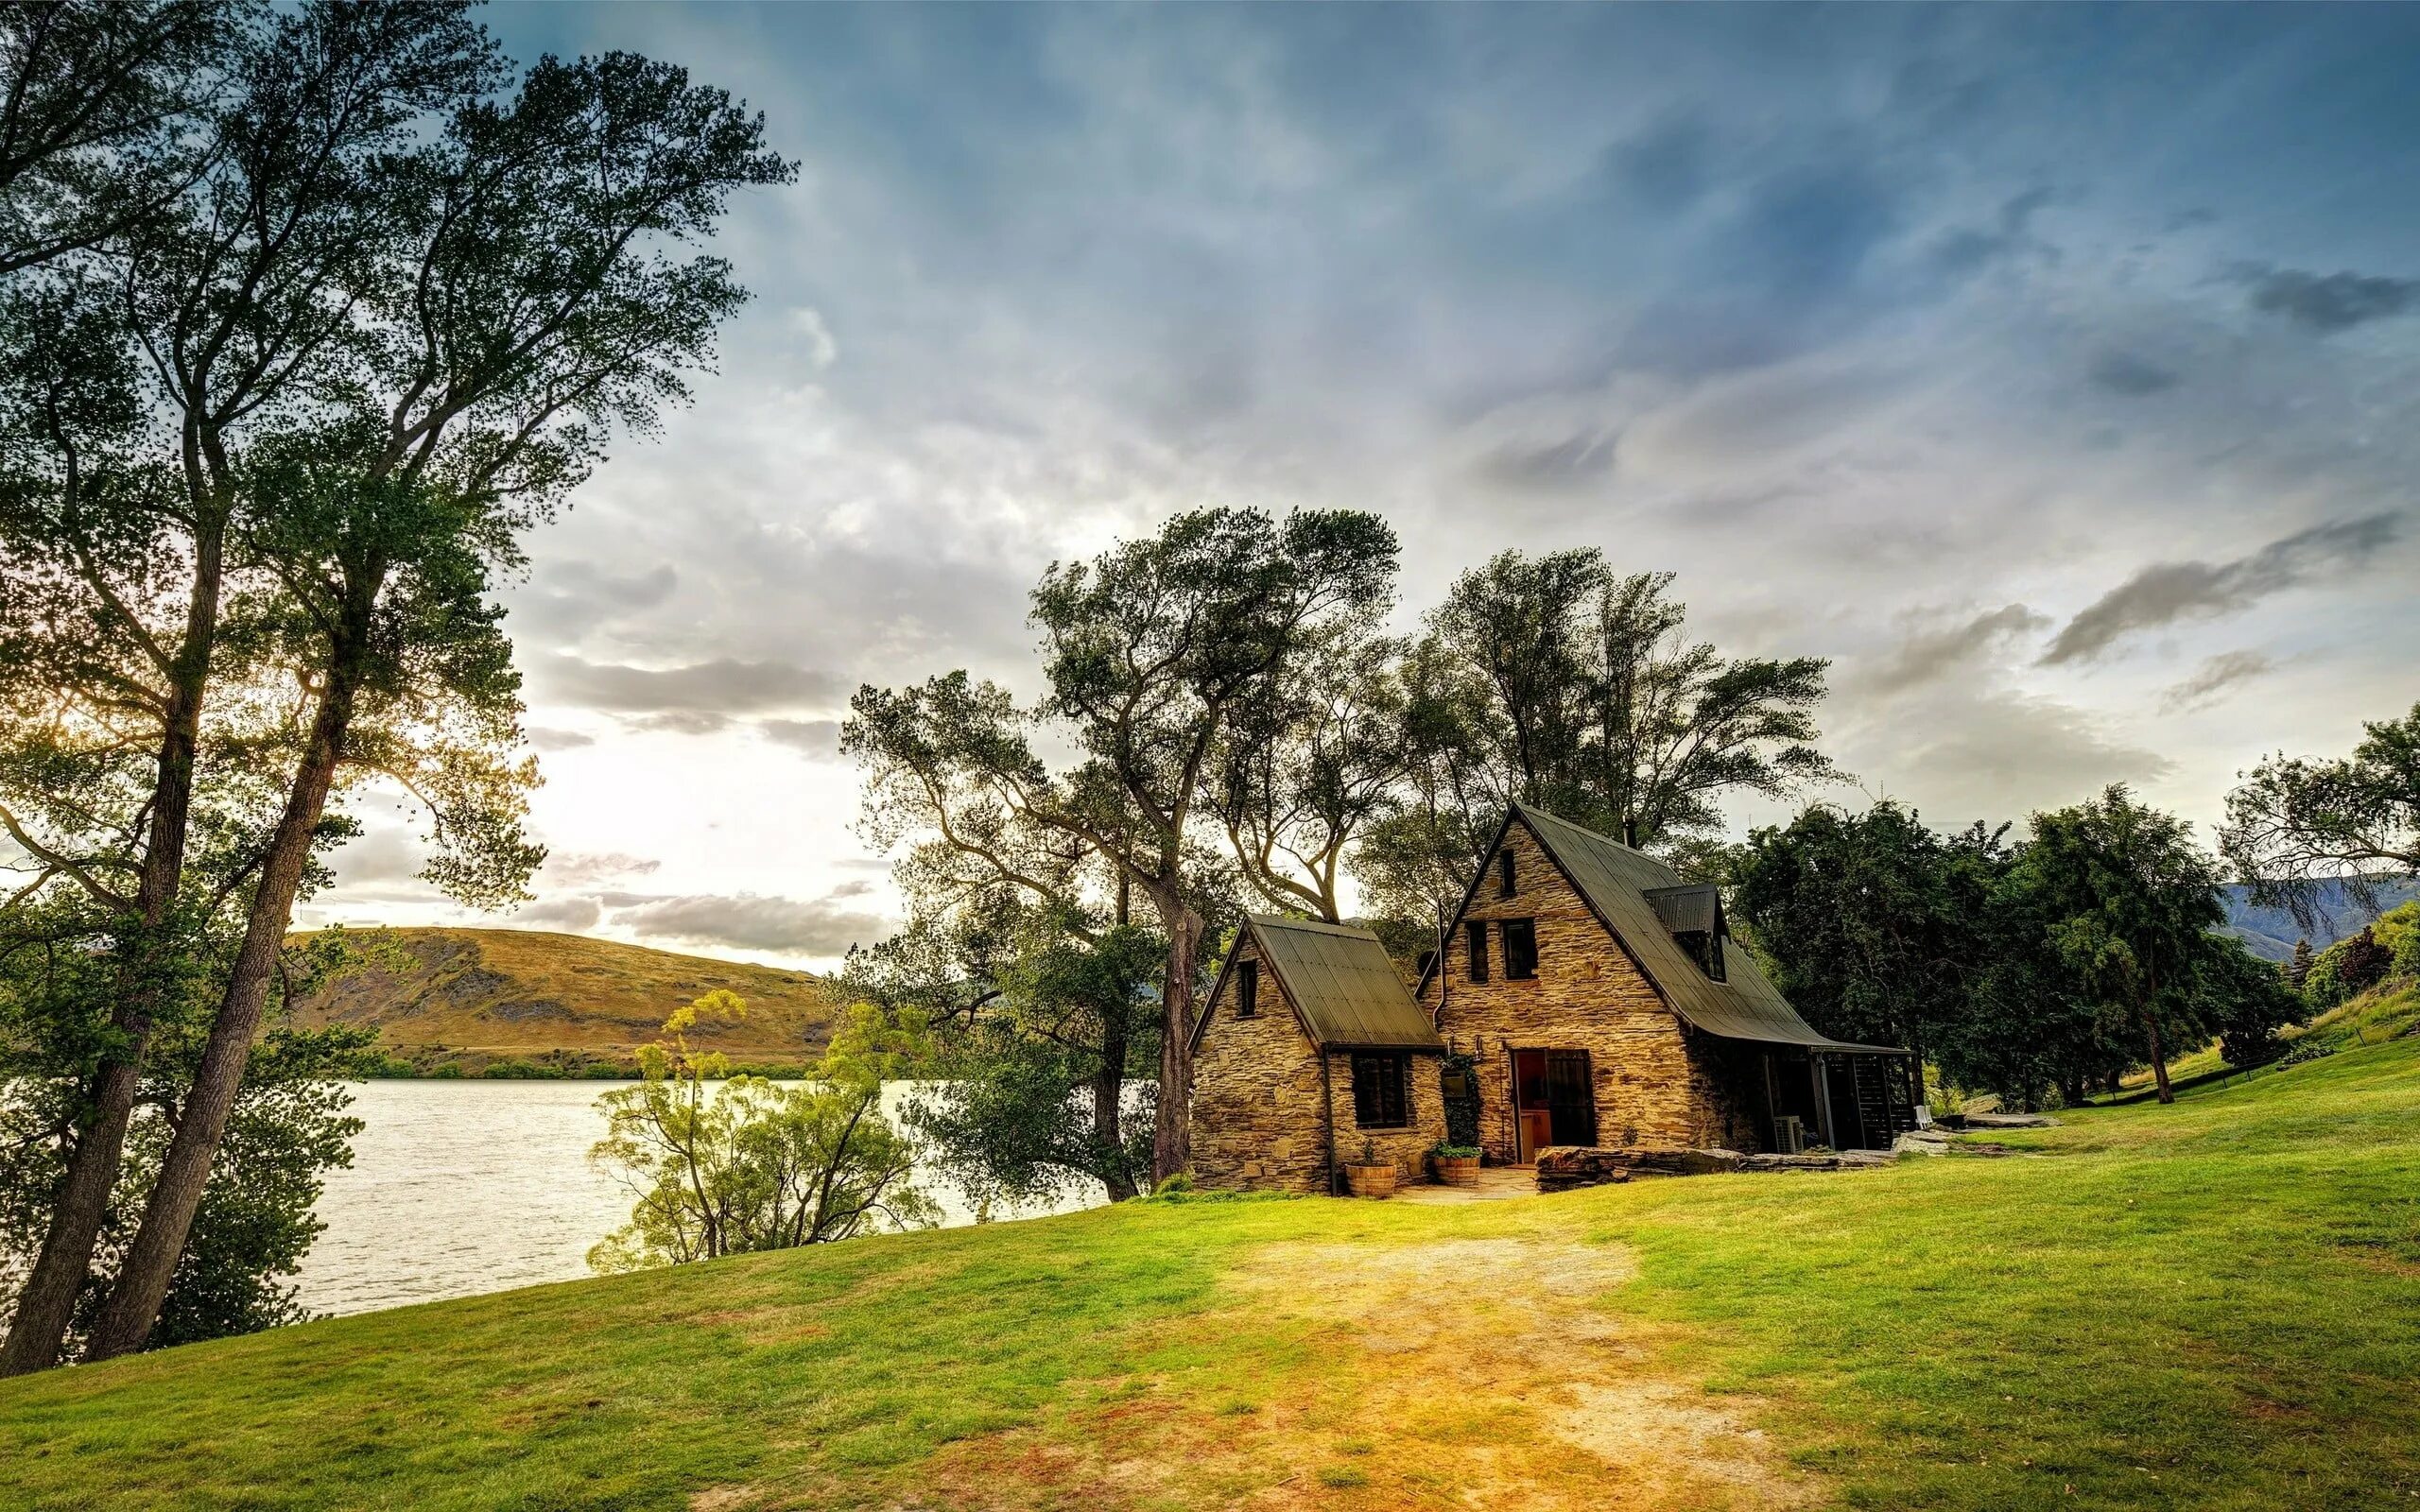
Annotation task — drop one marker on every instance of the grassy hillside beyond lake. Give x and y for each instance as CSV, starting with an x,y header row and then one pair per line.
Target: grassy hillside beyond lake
x,y
480,1001
2209,1305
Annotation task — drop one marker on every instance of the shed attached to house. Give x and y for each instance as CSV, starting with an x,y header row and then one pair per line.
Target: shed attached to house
x,y
1311,1051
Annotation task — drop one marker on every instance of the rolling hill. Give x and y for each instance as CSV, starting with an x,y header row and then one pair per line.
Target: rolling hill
x,y
490,1000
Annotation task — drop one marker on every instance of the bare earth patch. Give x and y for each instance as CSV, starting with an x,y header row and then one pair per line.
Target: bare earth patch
x,y
1464,1373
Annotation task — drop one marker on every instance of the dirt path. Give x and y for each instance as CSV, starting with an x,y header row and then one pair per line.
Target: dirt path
x,y
1467,1373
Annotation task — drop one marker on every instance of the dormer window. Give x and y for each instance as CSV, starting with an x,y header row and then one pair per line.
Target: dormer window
x,y
1693,915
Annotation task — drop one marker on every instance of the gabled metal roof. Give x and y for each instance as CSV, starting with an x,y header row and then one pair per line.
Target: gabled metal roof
x,y
1344,990
1620,884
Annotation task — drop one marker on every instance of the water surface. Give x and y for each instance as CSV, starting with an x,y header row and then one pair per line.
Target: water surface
x,y
462,1187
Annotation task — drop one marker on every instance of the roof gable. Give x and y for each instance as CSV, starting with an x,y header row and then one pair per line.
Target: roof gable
x,y
1341,983
1632,894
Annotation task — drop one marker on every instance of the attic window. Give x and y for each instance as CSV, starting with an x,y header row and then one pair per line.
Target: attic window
x,y
1504,874
1475,934
1694,916
1247,988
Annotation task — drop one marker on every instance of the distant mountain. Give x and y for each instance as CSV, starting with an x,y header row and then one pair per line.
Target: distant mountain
x,y
472,997
2271,932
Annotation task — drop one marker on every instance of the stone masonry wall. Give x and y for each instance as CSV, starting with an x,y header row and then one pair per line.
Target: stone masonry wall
x,y
1657,1082
1406,1148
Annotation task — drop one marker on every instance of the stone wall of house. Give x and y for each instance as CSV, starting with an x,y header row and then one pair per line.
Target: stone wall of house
x,y
1260,1116
1259,1108
1657,1082
1407,1148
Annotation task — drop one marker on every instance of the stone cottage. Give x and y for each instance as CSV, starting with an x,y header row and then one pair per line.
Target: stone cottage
x,y
1586,995
1311,1053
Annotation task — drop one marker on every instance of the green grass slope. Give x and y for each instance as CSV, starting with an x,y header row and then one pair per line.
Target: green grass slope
x,y
481,999
2209,1305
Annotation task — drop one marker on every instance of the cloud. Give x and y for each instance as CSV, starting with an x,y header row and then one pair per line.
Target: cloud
x,y
577,868
821,348
2215,677
552,740
2122,372
1960,755
705,694
821,926
2330,302
572,914
816,737
1926,657
2168,592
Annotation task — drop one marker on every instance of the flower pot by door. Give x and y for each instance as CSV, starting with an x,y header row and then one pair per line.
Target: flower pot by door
x,y
1457,1169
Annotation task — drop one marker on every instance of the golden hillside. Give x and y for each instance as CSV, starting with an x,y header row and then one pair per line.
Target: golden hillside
x,y
479,995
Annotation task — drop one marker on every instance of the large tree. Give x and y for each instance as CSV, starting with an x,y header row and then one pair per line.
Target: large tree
x,y
2130,906
535,301
1150,652
2299,824
228,304
1871,921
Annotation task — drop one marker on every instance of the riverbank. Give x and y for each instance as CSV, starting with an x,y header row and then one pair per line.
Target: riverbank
x,y
2199,1306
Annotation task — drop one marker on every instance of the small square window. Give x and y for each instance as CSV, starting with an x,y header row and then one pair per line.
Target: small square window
x,y
1381,1090
1475,935
1247,988
1520,949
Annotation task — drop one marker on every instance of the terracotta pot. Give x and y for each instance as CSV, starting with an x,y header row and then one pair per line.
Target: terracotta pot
x,y
1370,1180
1457,1169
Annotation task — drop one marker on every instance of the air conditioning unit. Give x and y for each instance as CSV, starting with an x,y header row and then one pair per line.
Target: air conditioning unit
x,y
1790,1135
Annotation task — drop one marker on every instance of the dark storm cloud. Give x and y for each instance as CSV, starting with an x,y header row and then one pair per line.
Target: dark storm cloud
x,y
2170,592
2214,679
2329,303
691,699
820,926
1931,655
2122,372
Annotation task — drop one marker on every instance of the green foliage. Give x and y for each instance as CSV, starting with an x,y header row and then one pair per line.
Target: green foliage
x,y
1445,1151
287,1127
1870,923
724,1167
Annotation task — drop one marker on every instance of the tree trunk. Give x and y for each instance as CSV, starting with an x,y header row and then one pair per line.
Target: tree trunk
x,y
2159,1056
142,1280
1172,1133
1109,1105
47,1304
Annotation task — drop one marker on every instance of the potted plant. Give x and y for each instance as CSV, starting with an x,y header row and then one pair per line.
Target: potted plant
x,y
1370,1177
1457,1165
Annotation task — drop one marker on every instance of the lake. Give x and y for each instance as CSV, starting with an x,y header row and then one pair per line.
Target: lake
x,y
462,1187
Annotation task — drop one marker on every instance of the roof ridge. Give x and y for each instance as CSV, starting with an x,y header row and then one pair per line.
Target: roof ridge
x,y
1319,926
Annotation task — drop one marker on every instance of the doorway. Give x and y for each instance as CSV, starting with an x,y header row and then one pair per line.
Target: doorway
x,y
1554,1100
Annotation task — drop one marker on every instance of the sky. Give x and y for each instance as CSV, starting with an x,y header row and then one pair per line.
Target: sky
x,y
2055,372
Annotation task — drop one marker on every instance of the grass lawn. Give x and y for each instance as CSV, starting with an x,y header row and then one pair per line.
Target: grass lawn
x,y
2211,1305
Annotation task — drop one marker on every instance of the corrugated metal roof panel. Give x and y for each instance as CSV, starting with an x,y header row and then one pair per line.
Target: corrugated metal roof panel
x,y
1616,880
1688,910
1344,985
